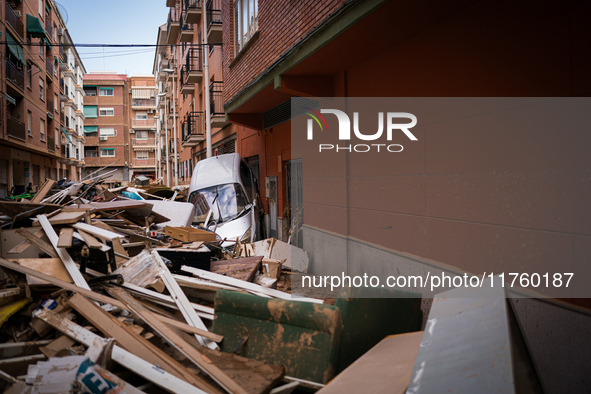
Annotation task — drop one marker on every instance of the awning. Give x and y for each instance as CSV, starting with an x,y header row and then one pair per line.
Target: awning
x,y
67,136
49,115
47,8
89,86
90,111
34,27
90,129
10,99
15,48
142,92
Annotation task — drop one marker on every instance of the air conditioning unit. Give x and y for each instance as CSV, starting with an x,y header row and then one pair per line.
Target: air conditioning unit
x,y
130,91
104,138
150,111
132,131
17,13
60,31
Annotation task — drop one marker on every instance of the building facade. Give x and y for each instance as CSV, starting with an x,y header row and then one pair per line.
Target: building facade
x,y
142,127
188,70
40,104
106,110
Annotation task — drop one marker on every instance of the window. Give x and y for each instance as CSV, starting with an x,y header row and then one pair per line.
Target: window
x,y
41,8
107,132
29,122
106,92
42,129
107,152
142,155
29,75
41,89
246,20
91,153
90,111
54,32
41,48
141,135
106,112
56,102
141,116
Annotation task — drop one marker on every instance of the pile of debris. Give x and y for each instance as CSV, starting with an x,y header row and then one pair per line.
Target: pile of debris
x,y
106,293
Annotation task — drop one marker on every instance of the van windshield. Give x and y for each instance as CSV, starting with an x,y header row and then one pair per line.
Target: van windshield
x,y
226,201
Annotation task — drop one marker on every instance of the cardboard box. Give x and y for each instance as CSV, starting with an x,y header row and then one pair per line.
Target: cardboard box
x,y
189,234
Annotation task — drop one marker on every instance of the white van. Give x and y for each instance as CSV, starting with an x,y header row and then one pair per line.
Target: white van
x,y
225,193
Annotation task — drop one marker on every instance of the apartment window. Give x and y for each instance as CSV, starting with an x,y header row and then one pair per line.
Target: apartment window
x,y
42,129
91,153
142,155
141,116
56,103
54,32
107,132
107,112
41,48
41,8
106,92
141,135
90,90
55,67
73,122
41,89
90,111
29,75
246,20
107,152
29,122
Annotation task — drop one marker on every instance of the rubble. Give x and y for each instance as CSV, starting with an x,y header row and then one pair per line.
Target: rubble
x,y
99,289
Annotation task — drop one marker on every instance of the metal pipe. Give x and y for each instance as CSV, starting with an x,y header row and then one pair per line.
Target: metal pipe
x,y
206,80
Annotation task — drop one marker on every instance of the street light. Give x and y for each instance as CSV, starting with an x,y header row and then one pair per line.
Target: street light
x,y
176,163
166,138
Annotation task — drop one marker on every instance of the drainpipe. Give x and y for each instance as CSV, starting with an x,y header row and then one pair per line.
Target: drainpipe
x,y
176,156
166,142
206,82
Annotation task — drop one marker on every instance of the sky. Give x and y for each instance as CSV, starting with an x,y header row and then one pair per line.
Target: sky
x,y
115,22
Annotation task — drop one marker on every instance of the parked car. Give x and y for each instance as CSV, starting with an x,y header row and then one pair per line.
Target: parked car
x,y
225,193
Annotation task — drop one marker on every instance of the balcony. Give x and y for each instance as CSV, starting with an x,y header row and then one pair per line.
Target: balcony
x,y
143,142
214,19
15,128
51,144
49,67
48,28
216,108
170,3
151,162
64,62
138,104
15,76
63,151
192,70
186,33
143,124
14,21
173,26
50,105
192,11
192,129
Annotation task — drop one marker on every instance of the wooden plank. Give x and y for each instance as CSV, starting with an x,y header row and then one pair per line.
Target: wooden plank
x,y
246,285
182,302
43,190
63,217
243,268
62,343
21,247
109,206
130,341
97,231
99,297
91,241
65,238
385,368
65,256
52,267
178,343
38,242
128,360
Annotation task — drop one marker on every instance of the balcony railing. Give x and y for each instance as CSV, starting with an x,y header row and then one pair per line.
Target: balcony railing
x,y
143,123
143,103
49,66
216,96
50,105
14,21
48,28
51,144
173,25
143,142
15,128
192,11
151,162
214,12
14,75
192,129
192,69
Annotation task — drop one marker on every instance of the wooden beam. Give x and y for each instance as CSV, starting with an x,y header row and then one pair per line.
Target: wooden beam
x,y
65,238
182,301
43,190
178,343
25,244
102,298
130,361
132,342
62,253
97,231
91,241
38,242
